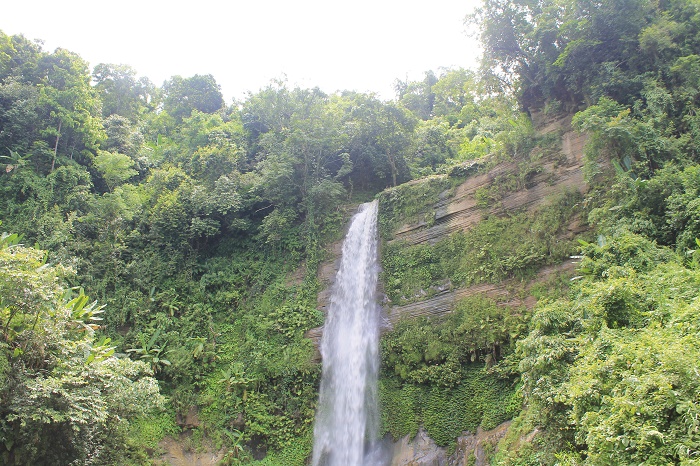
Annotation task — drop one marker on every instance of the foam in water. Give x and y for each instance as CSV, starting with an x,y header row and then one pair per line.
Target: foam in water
x,y
347,416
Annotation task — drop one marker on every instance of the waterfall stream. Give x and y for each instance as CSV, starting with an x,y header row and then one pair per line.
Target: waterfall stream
x,y
347,416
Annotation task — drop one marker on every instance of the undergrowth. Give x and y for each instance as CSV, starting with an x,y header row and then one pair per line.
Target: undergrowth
x,y
496,249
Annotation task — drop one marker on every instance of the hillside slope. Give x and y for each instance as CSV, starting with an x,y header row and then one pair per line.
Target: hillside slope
x,y
459,208
424,215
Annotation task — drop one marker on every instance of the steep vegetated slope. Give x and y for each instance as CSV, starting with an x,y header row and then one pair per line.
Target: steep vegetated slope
x,y
603,349
464,262
607,367
201,228
466,255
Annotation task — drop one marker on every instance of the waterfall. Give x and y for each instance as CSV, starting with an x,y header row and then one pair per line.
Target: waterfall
x,y
347,417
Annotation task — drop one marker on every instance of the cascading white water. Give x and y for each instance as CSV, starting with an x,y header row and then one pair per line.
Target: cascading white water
x,y
347,416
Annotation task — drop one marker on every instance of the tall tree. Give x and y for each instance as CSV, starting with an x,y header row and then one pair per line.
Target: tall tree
x,y
122,93
560,49
418,96
19,58
70,104
199,92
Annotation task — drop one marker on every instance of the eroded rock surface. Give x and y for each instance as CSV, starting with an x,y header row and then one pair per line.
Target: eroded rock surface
x,y
556,173
419,451
178,452
461,211
472,449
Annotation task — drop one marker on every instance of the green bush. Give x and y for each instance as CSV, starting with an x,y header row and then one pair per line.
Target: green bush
x,y
435,373
480,398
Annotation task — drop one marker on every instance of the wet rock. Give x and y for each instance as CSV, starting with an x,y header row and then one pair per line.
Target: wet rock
x,y
472,449
419,451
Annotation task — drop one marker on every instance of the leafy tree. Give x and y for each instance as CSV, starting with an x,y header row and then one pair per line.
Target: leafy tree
x,y
121,92
19,117
377,137
418,97
124,138
431,145
613,362
19,58
70,104
454,90
569,52
183,95
65,396
114,167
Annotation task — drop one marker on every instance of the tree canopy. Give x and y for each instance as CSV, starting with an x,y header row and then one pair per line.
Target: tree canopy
x,y
200,225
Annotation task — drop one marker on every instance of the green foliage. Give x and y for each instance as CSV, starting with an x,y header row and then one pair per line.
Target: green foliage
x,y
400,407
432,146
185,95
150,353
514,450
114,167
627,250
411,202
461,120
65,395
264,381
663,207
523,177
201,227
575,52
294,454
122,94
486,253
431,377
148,431
610,369
480,399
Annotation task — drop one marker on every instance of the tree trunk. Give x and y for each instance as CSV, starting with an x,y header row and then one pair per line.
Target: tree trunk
x,y
55,147
392,164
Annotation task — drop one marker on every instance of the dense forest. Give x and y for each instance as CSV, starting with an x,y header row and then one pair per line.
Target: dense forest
x,y
160,266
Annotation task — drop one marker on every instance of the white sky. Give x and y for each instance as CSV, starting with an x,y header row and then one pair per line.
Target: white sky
x,y
362,45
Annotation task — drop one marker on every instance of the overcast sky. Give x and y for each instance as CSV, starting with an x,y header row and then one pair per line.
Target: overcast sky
x,y
362,45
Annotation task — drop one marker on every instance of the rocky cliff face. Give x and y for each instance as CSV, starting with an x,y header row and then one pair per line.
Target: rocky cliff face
x,y
472,449
460,209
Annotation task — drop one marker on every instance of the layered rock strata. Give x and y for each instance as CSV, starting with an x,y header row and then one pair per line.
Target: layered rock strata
x,y
555,173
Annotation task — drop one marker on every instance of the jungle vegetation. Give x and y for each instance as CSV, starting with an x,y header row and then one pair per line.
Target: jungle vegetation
x,y
163,247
